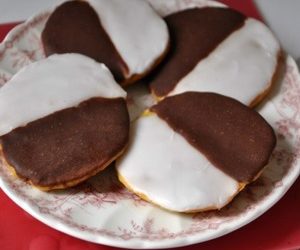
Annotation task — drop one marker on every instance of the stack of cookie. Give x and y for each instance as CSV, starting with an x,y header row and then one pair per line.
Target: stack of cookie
x,y
194,150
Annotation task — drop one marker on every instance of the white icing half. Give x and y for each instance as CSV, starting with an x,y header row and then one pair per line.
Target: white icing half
x,y
136,30
167,7
162,165
241,67
53,84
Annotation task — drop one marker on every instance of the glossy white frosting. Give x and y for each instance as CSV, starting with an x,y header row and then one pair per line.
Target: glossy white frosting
x,y
241,67
164,167
139,34
53,84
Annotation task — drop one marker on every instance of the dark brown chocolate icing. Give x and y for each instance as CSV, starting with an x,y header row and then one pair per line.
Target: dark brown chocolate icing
x,y
233,137
75,27
69,144
194,34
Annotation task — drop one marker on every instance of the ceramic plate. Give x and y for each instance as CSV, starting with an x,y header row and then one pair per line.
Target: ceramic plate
x,y
102,211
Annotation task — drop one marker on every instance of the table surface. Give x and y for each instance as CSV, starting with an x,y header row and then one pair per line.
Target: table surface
x,y
277,229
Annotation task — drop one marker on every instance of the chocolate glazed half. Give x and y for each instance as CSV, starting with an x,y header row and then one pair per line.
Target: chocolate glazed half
x,y
194,34
70,144
74,27
233,137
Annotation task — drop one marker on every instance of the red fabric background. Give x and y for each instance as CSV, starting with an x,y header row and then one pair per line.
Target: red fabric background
x,y
277,229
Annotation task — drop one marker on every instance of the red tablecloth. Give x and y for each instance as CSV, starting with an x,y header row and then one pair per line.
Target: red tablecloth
x,y
279,228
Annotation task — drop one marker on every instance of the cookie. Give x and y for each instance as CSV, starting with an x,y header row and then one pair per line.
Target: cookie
x,y
195,151
63,119
218,50
127,36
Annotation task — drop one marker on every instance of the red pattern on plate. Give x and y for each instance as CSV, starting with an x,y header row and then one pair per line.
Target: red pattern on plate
x,y
285,233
